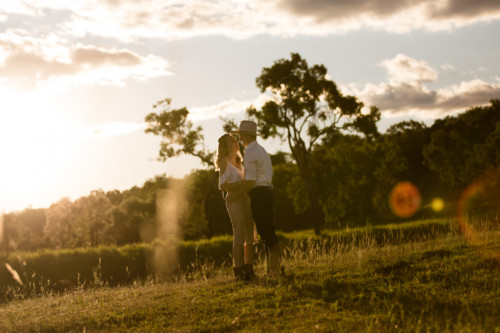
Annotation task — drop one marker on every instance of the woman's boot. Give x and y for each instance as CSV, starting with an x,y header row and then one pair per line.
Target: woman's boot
x,y
239,274
249,274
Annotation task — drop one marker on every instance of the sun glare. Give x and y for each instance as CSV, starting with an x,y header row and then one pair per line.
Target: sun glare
x,y
35,144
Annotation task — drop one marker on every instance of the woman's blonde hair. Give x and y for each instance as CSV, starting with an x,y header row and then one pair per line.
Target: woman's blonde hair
x,y
222,152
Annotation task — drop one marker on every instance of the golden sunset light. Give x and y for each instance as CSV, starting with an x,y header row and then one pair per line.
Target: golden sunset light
x,y
249,166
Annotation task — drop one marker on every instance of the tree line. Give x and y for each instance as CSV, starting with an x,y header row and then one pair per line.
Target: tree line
x,y
340,170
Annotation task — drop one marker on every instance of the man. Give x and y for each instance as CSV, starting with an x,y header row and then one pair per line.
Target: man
x,y
258,185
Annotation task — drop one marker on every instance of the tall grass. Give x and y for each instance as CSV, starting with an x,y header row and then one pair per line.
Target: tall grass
x,y
410,280
58,270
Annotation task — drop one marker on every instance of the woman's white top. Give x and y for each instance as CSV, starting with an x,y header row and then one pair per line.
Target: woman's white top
x,y
231,175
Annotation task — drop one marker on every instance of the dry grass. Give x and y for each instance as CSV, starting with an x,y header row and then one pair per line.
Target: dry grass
x,y
444,284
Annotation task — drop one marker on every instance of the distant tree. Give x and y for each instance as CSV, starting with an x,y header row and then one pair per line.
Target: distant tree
x,y
344,169
465,146
30,224
400,158
115,197
306,107
59,228
8,233
287,200
92,218
134,221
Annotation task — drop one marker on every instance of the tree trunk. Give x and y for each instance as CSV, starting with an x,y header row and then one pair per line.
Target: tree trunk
x,y
315,210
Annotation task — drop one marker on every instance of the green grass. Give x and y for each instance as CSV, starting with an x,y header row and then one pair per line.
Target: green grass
x,y
53,270
442,282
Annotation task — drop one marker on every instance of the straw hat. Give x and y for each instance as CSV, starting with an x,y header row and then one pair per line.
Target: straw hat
x,y
246,127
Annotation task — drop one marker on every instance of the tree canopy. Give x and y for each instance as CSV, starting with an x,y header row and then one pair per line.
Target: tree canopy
x,y
305,106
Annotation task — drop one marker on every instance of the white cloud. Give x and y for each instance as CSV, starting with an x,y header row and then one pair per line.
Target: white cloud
x,y
447,67
395,15
130,20
225,109
406,69
115,128
28,62
405,91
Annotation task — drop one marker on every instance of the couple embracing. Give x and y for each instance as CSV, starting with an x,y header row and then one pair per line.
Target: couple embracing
x,y
249,199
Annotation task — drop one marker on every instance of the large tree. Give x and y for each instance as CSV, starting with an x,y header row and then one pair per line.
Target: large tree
x,y
305,106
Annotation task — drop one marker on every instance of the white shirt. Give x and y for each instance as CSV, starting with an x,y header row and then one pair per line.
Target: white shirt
x,y
231,175
258,165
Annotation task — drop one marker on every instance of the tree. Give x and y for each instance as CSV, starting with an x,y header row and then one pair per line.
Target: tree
x,y
463,147
178,133
92,218
29,224
400,158
133,221
287,213
59,228
346,164
305,107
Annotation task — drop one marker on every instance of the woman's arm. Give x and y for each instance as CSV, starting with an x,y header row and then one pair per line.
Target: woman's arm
x,y
230,186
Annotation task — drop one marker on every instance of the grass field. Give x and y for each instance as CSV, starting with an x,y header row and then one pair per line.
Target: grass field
x,y
430,282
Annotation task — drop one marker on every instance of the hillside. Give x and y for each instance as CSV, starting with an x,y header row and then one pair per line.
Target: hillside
x,y
445,283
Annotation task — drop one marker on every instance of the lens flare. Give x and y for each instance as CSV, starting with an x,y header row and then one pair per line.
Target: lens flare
x,y
1,229
481,198
405,200
14,274
170,204
437,205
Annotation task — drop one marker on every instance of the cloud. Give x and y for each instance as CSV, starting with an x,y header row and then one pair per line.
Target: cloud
x,y
28,62
131,20
95,57
456,9
403,69
406,92
223,109
326,10
113,129
227,108
395,15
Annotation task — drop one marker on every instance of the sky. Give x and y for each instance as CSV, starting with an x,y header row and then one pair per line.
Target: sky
x,y
77,78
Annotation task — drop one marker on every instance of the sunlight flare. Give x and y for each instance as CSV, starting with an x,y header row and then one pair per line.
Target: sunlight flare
x,y
437,205
405,200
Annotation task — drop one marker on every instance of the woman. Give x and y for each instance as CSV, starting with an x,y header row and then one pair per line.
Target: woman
x,y
231,176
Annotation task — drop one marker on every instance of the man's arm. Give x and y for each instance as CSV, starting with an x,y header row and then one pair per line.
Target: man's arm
x,y
246,186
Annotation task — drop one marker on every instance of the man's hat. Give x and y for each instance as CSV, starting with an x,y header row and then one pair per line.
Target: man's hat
x,y
246,127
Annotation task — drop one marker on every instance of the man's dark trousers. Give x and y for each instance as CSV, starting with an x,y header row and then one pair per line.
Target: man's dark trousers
x,y
262,203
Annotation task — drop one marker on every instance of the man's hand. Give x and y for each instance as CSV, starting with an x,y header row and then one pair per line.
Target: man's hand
x,y
241,191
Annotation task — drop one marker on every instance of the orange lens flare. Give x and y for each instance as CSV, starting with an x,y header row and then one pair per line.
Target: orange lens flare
x,y
482,196
405,200
481,199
